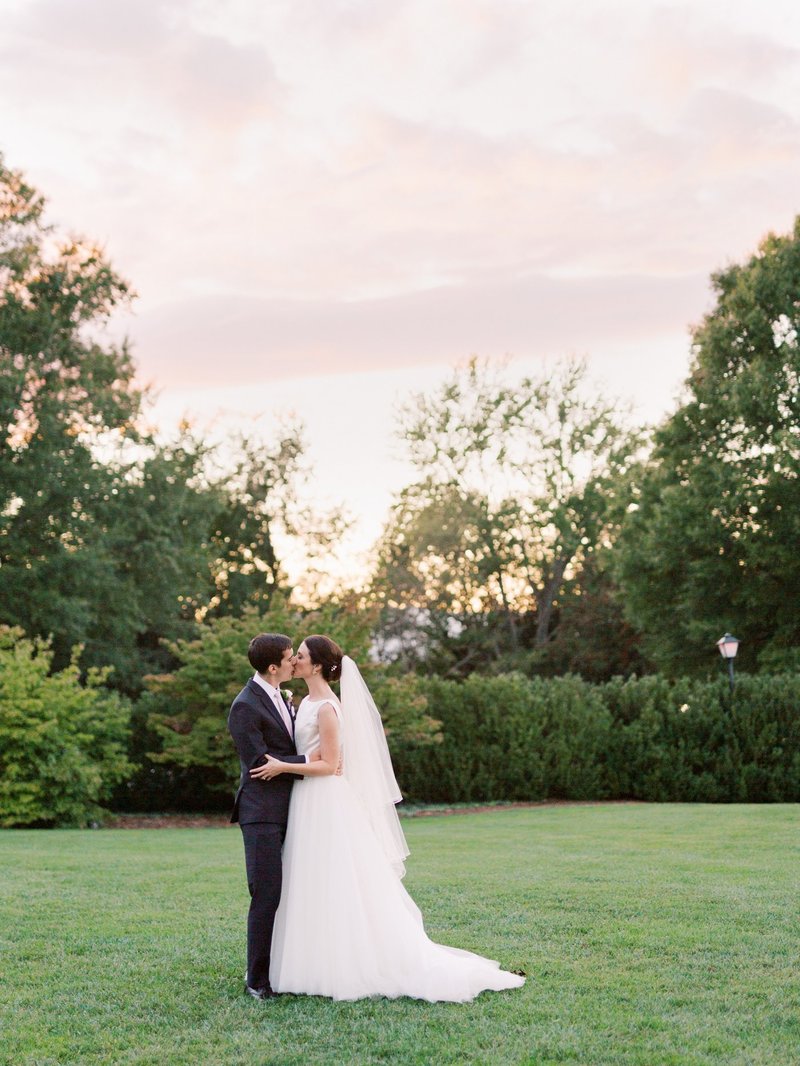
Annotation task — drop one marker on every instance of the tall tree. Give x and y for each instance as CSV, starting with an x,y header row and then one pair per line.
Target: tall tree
x,y
591,636
517,486
109,538
711,542
152,558
62,393
258,495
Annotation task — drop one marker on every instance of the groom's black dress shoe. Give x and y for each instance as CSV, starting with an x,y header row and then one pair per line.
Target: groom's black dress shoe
x,y
260,993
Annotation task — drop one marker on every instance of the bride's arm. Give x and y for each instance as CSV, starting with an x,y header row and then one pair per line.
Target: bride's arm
x,y
329,752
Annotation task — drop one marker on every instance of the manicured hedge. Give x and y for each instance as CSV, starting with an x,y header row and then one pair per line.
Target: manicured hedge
x,y
516,738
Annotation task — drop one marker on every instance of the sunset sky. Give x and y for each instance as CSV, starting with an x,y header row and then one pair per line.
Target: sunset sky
x,y
325,204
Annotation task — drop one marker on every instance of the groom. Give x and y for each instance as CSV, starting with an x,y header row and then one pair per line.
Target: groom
x,y
260,721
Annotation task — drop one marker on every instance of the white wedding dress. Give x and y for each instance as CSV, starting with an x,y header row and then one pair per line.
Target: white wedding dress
x,y
346,927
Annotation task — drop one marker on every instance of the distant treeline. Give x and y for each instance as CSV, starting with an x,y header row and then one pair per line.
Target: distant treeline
x,y
542,533
65,744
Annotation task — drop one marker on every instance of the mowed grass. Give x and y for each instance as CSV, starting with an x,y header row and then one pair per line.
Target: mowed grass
x,y
651,935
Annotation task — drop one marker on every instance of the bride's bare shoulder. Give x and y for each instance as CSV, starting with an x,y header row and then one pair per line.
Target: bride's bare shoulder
x,y
329,704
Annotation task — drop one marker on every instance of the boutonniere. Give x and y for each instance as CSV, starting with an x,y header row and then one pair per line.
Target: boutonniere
x,y
287,695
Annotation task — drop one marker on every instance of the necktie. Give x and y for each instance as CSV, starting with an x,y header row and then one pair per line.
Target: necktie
x,y
280,703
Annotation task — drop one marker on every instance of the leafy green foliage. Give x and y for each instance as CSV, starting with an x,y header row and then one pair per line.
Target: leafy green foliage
x,y
591,637
188,760
60,394
711,543
100,532
690,741
489,748
253,498
110,538
404,706
519,484
62,741
511,738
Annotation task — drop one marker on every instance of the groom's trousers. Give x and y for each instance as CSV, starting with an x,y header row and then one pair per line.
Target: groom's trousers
x,y
263,842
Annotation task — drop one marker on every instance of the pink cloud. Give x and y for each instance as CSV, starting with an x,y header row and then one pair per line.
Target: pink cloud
x,y
378,183
241,341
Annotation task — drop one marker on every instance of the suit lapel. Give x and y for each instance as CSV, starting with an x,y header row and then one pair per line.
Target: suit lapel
x,y
269,705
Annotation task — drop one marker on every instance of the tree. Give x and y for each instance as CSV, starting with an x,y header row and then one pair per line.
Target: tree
x,y
592,637
62,394
710,543
187,757
62,741
181,717
259,493
152,558
518,486
110,538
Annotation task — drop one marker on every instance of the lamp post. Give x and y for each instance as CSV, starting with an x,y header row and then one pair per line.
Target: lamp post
x,y
728,646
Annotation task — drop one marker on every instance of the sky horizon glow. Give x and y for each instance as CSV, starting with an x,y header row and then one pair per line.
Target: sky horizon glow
x,y
324,207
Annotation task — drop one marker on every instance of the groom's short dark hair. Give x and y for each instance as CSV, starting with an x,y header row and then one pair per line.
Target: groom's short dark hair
x,y
267,650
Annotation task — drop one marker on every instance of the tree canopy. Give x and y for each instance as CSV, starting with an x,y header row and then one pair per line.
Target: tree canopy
x,y
710,543
111,538
519,484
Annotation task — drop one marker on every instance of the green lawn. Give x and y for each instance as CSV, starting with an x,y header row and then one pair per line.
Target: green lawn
x,y
651,935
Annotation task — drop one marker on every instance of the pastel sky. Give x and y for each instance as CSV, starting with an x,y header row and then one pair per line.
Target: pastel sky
x,y
324,204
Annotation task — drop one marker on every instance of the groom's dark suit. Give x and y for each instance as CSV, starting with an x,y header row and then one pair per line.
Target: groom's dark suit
x,y
261,808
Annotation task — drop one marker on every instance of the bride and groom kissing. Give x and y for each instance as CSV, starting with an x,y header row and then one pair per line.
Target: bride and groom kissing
x,y
324,849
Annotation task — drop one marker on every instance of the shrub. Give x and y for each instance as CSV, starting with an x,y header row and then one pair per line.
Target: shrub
x,y
575,732
189,761
670,741
62,741
489,749
764,718
512,738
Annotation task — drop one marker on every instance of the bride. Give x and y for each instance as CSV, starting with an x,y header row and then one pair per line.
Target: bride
x,y
346,927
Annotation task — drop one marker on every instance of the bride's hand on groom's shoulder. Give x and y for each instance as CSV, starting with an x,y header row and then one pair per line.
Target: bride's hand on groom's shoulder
x,y
270,769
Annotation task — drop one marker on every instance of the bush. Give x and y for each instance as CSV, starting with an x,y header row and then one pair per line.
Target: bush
x,y
671,741
765,722
512,738
509,738
576,730
62,742
188,760
691,741
489,749
482,739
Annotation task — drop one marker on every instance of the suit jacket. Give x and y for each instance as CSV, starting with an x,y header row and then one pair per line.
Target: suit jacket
x,y
256,726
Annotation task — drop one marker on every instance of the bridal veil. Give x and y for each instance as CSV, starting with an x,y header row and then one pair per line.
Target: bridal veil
x,y
368,765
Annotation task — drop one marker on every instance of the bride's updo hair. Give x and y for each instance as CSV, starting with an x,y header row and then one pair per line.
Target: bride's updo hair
x,y
326,653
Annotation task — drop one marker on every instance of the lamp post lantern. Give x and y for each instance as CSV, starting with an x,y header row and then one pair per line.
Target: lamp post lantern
x,y
728,646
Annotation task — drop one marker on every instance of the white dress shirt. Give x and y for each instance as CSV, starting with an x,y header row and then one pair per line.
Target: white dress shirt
x,y
276,697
